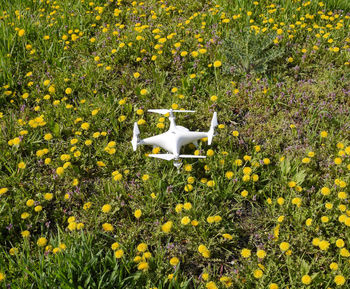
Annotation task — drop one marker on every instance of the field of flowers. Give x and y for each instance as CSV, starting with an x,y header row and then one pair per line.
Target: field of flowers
x,y
268,207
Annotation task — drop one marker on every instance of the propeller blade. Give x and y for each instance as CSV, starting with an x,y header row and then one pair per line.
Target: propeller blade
x,y
165,111
135,135
160,111
134,143
136,129
180,110
167,157
214,120
211,132
192,157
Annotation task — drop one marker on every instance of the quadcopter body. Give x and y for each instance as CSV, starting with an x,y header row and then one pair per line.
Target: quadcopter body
x,y
176,137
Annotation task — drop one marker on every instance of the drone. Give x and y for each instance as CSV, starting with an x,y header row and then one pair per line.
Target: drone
x,y
176,137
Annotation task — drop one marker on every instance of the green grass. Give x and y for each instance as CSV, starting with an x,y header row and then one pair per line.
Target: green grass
x,y
265,176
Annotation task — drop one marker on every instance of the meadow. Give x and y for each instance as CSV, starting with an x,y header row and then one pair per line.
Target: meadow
x,y
267,208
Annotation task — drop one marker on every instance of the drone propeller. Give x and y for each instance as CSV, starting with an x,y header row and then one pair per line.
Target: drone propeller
x,y
167,157
165,111
136,133
170,157
192,157
214,123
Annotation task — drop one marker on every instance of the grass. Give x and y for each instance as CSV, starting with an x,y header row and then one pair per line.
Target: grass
x,y
267,208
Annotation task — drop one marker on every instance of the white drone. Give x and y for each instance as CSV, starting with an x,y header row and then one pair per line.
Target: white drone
x,y
176,137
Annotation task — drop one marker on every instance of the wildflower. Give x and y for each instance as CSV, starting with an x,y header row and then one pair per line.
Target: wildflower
x,y
21,32
229,175
119,253
21,165
333,266
258,273
325,191
235,133
211,285
187,206
3,191
107,227
174,261
217,63
25,215
142,247
106,208
306,279
145,177
138,214
42,242
227,281
85,126
261,254
245,253
48,196
210,153
143,266
284,246
244,193
339,280
213,98
167,226
324,134
227,236
324,245
273,286
185,220
2,276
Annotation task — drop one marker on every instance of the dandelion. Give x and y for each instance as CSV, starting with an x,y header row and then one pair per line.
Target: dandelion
x,y
211,285
138,214
185,220
42,241
143,91
217,63
143,266
119,253
142,247
85,126
261,254
324,245
245,253
306,279
174,261
339,280
48,196
227,236
21,165
107,227
187,206
323,134
167,226
21,32
258,273
3,191
284,246
106,208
